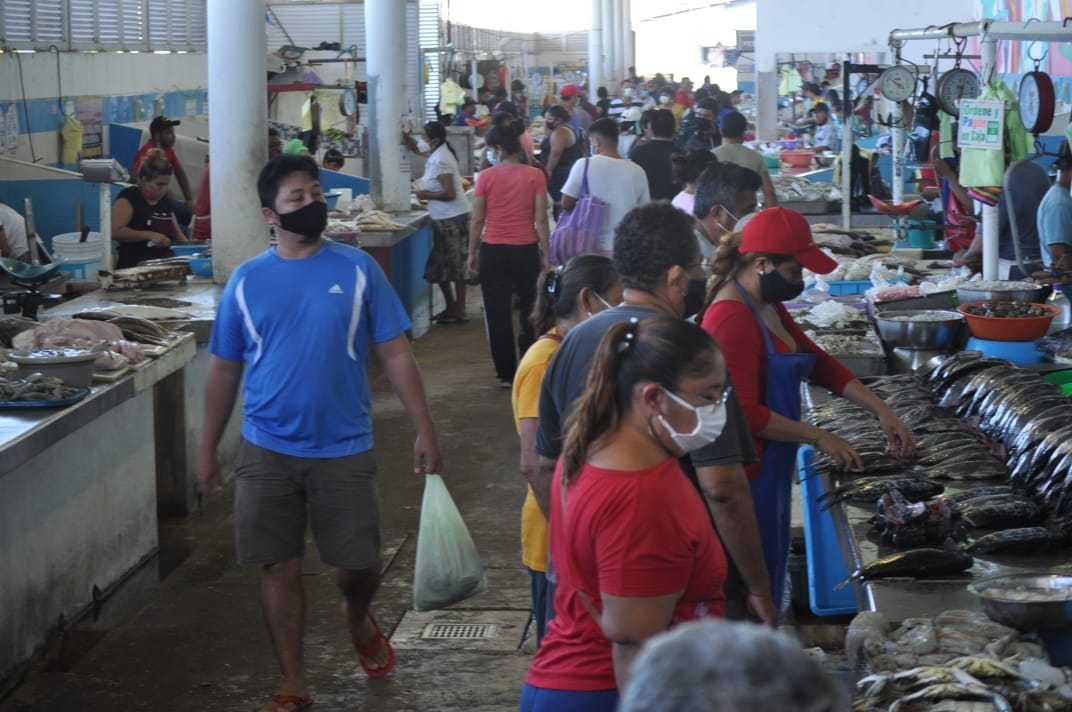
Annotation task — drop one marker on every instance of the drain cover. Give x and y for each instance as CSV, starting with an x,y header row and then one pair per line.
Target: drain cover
x,y
460,631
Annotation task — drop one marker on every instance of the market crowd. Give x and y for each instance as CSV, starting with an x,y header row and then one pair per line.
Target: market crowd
x,y
654,376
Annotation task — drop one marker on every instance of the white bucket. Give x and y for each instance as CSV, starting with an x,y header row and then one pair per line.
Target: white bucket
x,y
80,259
345,196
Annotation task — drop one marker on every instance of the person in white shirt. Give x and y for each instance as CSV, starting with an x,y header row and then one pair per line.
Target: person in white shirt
x,y
826,136
449,209
13,242
613,179
625,100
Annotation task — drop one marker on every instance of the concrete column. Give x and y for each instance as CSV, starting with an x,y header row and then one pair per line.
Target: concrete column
x,y
619,55
238,121
595,48
628,53
385,41
610,61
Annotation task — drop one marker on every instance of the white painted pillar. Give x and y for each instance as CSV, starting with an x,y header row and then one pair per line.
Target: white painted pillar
x,y
385,41
238,121
991,233
610,57
619,49
628,54
595,48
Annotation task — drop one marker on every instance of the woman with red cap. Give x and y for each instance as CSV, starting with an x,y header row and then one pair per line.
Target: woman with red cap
x,y
768,355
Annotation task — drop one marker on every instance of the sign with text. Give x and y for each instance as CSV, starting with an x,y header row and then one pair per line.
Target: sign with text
x,y
981,124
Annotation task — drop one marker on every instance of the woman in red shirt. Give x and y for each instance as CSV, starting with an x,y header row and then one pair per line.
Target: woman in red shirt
x,y
768,355
632,544
508,244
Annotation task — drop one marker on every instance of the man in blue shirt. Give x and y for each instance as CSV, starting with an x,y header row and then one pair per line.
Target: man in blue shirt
x,y
297,321
1055,218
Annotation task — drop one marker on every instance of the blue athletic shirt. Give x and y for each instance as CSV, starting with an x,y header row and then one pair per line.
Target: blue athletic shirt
x,y
303,329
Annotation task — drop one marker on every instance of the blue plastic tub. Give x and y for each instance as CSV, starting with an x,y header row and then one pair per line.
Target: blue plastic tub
x,y
840,288
826,565
185,249
1021,353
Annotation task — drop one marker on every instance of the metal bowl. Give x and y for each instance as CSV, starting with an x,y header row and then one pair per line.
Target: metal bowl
x,y
918,328
1049,604
825,159
999,291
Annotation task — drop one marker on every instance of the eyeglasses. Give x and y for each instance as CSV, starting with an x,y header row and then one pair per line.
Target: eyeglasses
x,y
724,395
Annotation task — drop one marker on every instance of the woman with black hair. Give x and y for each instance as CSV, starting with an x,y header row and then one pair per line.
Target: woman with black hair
x,y
565,296
448,208
508,247
633,547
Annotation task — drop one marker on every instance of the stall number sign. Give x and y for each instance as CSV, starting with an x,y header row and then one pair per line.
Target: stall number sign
x,y
981,124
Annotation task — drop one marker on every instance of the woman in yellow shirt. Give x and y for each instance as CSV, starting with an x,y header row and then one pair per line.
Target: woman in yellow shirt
x,y
565,296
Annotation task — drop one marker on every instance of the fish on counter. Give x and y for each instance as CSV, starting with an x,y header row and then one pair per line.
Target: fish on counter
x,y
914,563
869,489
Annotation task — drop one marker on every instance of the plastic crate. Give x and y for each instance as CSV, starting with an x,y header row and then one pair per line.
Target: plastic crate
x,y
826,565
849,286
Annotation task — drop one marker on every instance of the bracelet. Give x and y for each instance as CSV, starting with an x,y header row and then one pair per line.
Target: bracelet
x,y
818,436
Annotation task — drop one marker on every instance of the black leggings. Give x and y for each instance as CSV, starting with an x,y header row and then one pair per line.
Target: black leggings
x,y
506,271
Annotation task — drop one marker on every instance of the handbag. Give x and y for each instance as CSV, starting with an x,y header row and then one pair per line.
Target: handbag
x,y
578,230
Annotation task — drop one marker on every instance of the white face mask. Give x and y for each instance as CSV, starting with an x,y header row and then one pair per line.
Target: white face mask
x,y
665,99
605,303
423,146
710,419
492,159
627,92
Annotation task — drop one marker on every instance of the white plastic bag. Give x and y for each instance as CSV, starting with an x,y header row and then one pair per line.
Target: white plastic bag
x,y
448,565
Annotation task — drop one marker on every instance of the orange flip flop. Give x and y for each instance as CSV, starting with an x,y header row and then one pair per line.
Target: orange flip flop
x,y
369,651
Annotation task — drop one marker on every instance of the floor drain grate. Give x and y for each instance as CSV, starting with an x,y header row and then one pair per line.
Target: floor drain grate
x,y
461,631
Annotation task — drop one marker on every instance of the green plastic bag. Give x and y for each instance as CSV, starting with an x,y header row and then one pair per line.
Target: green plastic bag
x,y
448,565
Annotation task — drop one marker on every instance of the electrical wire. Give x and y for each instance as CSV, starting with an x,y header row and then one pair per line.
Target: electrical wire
x,y
25,107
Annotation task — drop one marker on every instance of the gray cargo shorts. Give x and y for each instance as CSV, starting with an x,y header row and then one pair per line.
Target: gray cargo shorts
x,y
276,494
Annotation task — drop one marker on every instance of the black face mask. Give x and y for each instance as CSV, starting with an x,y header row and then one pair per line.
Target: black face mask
x,y
705,124
774,288
695,297
309,221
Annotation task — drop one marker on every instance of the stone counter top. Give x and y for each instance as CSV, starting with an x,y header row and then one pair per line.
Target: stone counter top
x,y
24,433
413,219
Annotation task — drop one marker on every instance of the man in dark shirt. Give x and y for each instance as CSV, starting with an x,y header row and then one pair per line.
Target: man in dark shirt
x,y
655,155
659,262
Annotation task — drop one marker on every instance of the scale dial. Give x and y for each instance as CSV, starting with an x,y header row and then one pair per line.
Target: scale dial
x,y
1036,102
897,83
347,102
954,86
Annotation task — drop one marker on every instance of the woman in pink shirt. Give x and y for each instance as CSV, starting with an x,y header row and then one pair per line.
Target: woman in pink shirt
x,y
508,244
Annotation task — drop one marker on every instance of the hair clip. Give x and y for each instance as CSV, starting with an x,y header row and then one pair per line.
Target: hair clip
x,y
553,279
629,337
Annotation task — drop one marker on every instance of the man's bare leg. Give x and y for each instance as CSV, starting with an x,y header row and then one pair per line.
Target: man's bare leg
x,y
283,599
358,588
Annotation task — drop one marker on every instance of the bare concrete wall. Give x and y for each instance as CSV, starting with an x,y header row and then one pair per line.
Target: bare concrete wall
x,y
82,513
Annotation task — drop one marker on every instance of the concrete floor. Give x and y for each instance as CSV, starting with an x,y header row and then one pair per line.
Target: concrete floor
x,y
196,639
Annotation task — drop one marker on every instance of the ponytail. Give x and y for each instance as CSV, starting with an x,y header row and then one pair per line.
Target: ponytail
x,y
598,410
558,289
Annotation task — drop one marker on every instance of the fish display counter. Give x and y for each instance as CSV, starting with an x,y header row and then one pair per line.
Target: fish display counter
x,y
988,493
78,495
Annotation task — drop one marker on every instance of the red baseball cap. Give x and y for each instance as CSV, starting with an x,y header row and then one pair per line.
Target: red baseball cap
x,y
570,90
781,231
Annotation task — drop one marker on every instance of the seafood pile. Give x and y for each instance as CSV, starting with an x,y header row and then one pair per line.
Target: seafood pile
x,y
1057,345
1022,417
1007,310
1028,416
116,351
956,661
35,387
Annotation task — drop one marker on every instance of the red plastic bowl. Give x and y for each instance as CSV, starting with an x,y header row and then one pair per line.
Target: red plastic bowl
x,y
994,328
890,209
798,158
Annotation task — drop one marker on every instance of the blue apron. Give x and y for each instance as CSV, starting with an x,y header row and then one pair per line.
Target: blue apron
x,y
772,491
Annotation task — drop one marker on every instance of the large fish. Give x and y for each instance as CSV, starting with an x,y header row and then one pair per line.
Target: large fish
x,y
1023,539
917,563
